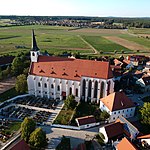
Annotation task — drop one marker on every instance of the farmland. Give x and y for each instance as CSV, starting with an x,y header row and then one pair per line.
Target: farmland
x,y
56,39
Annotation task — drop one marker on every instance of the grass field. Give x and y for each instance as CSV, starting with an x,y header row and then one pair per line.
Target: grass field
x,y
58,39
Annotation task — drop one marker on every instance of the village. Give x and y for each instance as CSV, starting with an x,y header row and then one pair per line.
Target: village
x,y
101,103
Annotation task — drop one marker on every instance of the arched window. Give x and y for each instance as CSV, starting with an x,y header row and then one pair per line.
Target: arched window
x,y
45,85
39,84
70,91
95,89
83,87
102,90
76,92
33,54
58,88
52,86
89,88
108,88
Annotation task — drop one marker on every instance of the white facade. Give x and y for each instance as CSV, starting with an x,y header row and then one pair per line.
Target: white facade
x,y
89,89
146,88
114,115
103,131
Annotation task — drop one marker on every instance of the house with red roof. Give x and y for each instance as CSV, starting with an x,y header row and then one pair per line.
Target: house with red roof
x,y
86,122
58,77
117,104
20,145
126,144
117,130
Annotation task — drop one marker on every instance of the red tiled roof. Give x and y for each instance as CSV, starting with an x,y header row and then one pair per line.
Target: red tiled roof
x,y
125,144
144,137
114,129
86,120
71,69
21,145
117,101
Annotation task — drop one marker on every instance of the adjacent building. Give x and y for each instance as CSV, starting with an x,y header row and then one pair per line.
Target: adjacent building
x,y
117,104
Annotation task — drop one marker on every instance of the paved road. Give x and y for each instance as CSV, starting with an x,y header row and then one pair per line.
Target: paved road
x,y
55,134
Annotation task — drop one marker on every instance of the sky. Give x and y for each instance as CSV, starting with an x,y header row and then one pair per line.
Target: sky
x,y
100,8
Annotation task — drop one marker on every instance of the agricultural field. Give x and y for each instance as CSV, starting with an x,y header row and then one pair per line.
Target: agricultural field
x,y
102,44
56,39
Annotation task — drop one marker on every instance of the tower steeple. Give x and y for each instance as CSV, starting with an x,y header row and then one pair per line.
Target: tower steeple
x,y
34,44
34,49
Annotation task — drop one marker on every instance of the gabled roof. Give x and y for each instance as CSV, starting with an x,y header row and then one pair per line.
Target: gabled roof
x,y
71,69
128,127
125,144
21,145
114,130
117,101
86,120
144,137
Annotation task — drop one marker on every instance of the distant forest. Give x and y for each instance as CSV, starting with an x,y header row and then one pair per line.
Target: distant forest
x,y
79,21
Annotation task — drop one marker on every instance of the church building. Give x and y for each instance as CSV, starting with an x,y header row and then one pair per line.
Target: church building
x,y
58,77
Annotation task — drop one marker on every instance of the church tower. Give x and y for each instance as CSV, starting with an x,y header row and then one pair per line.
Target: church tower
x,y
35,51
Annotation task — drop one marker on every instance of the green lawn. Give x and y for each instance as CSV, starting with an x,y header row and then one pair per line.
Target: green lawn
x,y
12,127
103,44
64,117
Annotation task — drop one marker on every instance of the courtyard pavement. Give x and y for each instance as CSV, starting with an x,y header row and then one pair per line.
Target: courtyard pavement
x,y
76,136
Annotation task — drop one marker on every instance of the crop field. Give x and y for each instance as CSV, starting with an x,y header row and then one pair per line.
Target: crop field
x,y
139,40
102,44
56,39
130,44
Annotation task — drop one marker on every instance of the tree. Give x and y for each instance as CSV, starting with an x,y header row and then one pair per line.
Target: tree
x,y
100,138
38,139
104,115
27,127
70,103
145,113
17,66
21,84
64,144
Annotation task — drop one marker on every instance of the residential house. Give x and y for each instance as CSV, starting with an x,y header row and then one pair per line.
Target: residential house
x,y
117,104
126,144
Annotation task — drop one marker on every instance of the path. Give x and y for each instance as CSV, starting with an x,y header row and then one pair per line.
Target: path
x,y
94,50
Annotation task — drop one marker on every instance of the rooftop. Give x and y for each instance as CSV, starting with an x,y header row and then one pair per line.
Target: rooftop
x,y
86,120
71,69
126,144
117,101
